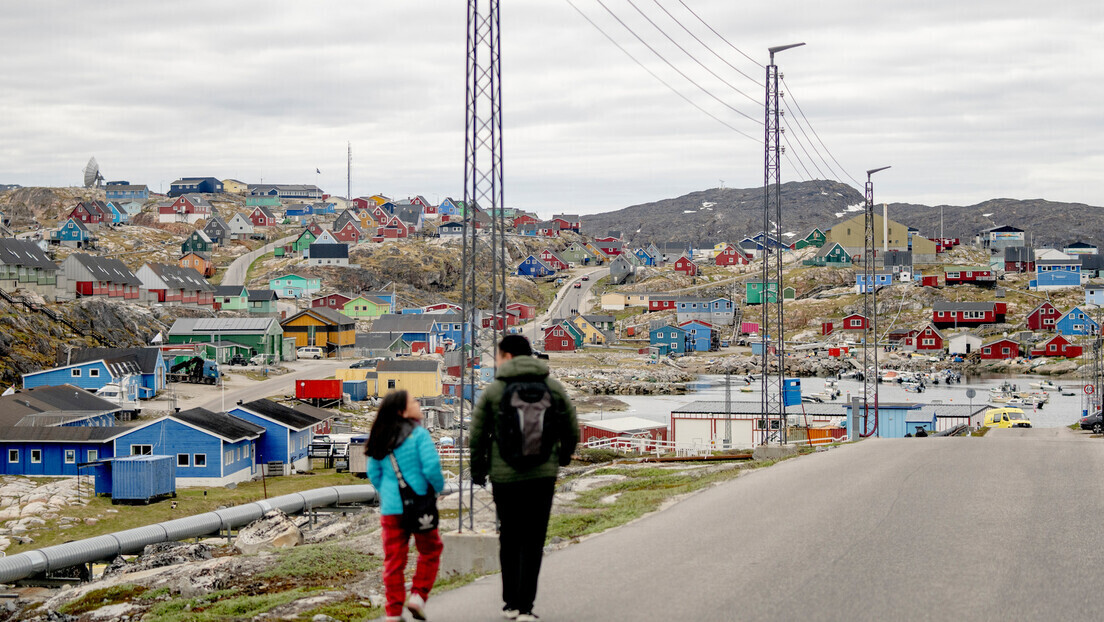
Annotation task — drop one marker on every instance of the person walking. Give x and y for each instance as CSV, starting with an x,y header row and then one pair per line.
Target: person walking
x,y
397,431
523,429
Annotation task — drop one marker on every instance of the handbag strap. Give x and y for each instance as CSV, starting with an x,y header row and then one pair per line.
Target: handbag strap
x,y
398,471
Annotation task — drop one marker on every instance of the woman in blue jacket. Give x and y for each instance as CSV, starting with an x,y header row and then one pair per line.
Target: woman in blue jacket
x,y
398,430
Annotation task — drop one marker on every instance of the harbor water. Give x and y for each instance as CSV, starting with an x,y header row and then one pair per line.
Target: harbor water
x,y
1060,410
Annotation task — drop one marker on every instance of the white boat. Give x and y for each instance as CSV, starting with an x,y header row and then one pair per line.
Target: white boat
x,y
112,393
1000,398
1045,385
1015,402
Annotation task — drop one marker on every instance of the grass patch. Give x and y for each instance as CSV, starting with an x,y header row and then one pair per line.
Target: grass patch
x,y
453,581
980,432
594,456
155,594
102,598
220,606
189,501
351,610
1075,426
321,561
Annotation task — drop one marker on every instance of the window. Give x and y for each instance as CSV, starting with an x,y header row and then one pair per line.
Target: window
x,y
182,460
141,450
990,350
390,384
228,457
13,455
1006,350
76,373
93,373
93,455
199,460
928,342
36,456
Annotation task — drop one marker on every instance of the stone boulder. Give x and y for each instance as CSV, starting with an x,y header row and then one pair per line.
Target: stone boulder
x,y
275,530
159,555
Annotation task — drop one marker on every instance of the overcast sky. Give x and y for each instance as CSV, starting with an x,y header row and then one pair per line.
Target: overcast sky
x,y
967,101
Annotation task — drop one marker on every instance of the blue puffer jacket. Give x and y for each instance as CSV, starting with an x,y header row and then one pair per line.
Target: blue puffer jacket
x,y
419,463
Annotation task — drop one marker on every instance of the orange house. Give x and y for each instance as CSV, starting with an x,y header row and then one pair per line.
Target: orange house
x,y
200,262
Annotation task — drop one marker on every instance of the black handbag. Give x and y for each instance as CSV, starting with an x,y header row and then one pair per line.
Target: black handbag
x,y
419,511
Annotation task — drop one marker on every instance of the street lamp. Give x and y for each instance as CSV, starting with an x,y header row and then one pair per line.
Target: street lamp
x,y
870,310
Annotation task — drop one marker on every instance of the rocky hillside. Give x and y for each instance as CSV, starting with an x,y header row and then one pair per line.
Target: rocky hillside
x,y
720,214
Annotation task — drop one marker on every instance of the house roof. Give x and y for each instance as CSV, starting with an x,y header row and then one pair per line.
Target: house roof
x,y
144,359
376,341
24,253
107,269
202,235
404,323
1074,261
288,417
125,187
62,434
267,213
395,365
61,403
262,295
1005,229
963,306
326,314
207,326
329,251
229,290
176,277
223,425
625,425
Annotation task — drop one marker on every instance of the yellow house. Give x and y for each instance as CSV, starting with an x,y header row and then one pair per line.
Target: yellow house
x,y
613,301
367,223
234,186
322,327
888,234
637,299
420,378
379,199
600,257
591,333
717,248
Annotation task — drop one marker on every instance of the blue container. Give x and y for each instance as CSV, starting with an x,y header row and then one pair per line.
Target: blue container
x,y
357,390
791,391
101,473
141,478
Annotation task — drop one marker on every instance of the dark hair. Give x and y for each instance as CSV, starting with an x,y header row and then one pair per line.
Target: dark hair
x,y
515,345
385,429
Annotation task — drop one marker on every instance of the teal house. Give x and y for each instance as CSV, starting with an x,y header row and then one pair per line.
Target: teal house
x,y
295,285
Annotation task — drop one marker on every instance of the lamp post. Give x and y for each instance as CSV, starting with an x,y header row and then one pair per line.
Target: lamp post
x,y
870,310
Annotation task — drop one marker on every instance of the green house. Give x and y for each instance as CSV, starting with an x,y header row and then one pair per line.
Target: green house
x,y
753,294
262,301
366,307
260,335
259,201
232,297
577,254
197,241
303,242
833,255
575,333
815,238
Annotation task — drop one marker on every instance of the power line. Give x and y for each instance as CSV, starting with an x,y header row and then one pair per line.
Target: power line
x,y
692,57
786,137
676,69
801,128
794,167
661,80
719,34
799,160
813,130
706,45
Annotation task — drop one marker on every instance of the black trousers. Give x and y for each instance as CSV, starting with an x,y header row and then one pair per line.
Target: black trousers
x,y
523,511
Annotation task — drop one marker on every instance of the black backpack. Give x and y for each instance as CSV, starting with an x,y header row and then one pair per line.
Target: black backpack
x,y
529,423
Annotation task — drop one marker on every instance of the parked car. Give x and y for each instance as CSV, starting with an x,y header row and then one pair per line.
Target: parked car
x,y
263,359
365,364
586,277
309,352
238,359
1094,423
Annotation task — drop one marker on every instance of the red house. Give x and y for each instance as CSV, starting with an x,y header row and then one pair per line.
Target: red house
x,y
855,321
927,340
929,280
262,217
660,302
443,307
631,432
391,228
1000,349
88,213
731,256
1044,317
1057,346
524,311
333,301
966,314
557,339
685,266
524,219
186,208
610,246
364,203
315,228
569,222
350,233
553,260
969,275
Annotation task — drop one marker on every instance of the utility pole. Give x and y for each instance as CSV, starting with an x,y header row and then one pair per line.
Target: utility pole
x,y
483,193
870,311
349,174
773,403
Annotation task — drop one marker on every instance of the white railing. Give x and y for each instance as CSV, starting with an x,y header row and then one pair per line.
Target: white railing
x,y
651,446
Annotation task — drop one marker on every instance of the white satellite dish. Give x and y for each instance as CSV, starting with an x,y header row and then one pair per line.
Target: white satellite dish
x,y
92,176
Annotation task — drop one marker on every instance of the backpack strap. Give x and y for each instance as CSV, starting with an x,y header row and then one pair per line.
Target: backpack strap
x,y
398,472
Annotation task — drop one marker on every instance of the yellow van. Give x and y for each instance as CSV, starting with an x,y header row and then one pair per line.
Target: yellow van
x,y
1006,418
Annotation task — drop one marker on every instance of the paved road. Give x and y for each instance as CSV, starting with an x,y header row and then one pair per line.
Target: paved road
x,y
212,398
566,299
239,268
1004,527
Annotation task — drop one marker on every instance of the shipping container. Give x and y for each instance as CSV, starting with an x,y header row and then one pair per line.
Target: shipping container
x,y
358,460
748,328
142,478
631,331
318,389
357,390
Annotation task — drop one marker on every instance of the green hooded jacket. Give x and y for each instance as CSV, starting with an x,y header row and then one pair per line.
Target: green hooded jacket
x,y
485,457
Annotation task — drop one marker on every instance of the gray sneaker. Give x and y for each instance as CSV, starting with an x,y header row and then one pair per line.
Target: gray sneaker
x,y
528,617
510,614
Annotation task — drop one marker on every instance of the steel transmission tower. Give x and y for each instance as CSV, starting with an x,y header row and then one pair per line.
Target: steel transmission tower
x,y
870,313
483,256
771,331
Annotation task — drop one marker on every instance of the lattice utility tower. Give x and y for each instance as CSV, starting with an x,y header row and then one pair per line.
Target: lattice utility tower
x,y
1093,402
870,313
771,331
483,257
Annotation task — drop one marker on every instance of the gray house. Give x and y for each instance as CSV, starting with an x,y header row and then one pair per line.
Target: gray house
x,y
217,230
621,270
240,227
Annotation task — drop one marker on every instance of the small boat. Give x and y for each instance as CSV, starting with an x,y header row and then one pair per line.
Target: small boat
x,y
1000,398
114,394
1045,385
913,386
1066,391
1015,402
746,389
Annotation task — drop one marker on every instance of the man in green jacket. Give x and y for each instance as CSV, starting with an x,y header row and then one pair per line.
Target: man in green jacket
x,y
522,496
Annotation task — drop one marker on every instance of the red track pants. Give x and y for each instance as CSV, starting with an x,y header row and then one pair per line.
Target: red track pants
x,y
396,544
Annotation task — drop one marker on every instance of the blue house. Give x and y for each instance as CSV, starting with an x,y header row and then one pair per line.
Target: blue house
x,y
1076,322
897,420
411,328
881,279
149,361
1094,295
121,190
288,432
211,449
192,185
72,230
669,340
699,335
646,259
90,375
534,266
118,214
450,208
1056,274
450,327
298,211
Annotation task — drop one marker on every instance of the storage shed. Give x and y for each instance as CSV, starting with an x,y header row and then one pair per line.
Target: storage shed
x,y
136,478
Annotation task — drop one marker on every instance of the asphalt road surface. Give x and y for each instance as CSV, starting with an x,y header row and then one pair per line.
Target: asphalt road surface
x,y
1005,527
566,299
239,268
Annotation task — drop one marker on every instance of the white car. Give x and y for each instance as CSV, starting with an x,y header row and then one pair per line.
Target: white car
x,y
309,352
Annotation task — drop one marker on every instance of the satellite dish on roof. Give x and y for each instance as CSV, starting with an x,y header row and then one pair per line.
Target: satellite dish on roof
x,y
92,176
